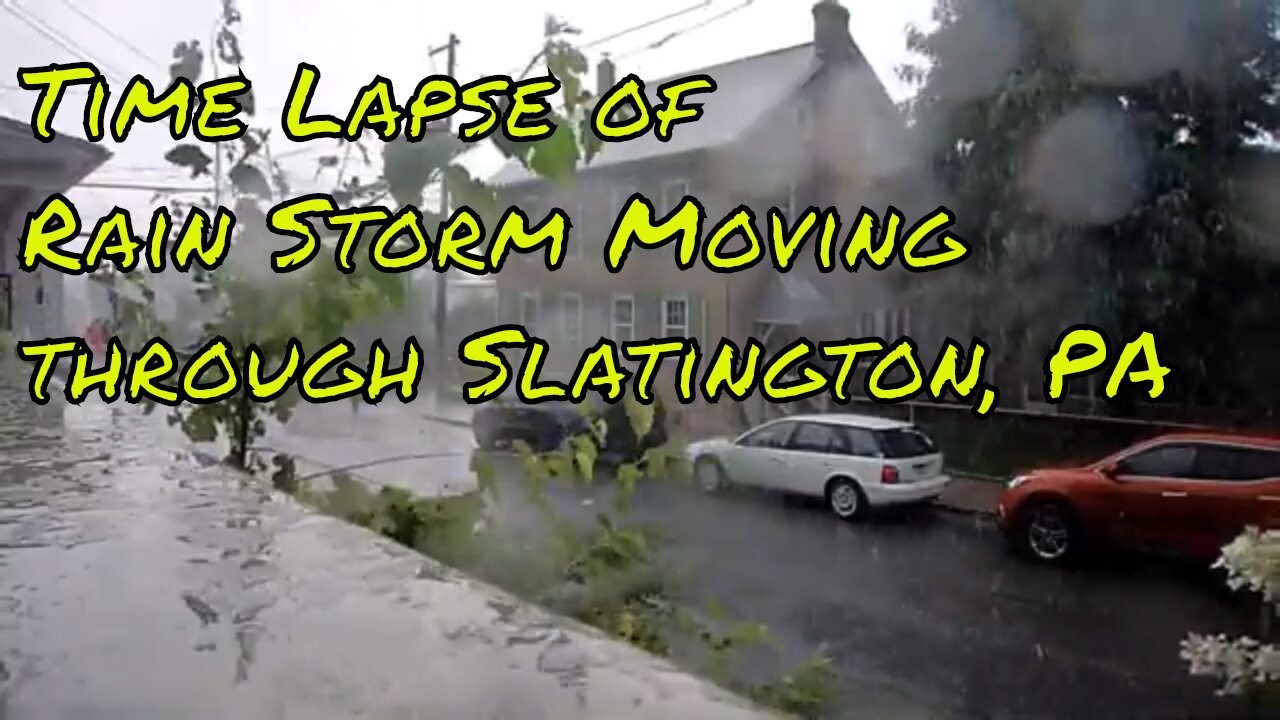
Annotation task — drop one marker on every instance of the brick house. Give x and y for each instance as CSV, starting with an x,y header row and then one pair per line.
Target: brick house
x,y
809,125
31,304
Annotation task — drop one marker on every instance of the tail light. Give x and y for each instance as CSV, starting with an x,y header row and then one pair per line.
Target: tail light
x,y
888,475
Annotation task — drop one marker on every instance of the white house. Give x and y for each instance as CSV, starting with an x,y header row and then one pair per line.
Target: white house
x,y
30,170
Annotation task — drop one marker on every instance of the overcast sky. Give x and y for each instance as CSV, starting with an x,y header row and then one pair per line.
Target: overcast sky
x,y
392,38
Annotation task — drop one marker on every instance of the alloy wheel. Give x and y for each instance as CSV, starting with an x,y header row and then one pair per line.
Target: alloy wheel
x,y
844,499
1048,532
708,475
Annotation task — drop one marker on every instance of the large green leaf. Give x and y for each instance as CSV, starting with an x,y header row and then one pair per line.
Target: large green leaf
x,y
556,157
409,166
191,157
249,180
639,414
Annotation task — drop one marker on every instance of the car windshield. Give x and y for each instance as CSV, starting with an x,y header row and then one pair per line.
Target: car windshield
x,y
904,443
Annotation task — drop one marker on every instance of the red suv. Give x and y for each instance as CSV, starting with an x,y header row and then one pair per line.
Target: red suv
x,y
1188,494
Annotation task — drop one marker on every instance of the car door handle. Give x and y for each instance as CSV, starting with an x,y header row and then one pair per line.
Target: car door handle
x,y
1173,494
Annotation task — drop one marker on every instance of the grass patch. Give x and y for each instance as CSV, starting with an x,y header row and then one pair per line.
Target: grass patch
x,y
605,574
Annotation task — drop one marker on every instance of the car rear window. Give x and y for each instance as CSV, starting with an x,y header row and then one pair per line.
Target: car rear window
x,y
904,443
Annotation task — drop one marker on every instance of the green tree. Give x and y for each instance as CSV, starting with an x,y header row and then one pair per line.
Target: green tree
x,y
1100,156
245,302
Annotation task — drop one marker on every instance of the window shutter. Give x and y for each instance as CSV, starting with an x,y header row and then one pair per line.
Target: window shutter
x,y
697,318
648,315
597,318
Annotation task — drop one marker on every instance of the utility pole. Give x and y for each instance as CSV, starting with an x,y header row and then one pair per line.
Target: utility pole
x,y
442,283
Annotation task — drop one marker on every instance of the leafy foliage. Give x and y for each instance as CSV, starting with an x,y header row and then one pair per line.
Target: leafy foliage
x,y
315,305
1116,169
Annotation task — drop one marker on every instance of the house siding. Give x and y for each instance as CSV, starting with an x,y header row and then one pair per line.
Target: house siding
x,y
783,160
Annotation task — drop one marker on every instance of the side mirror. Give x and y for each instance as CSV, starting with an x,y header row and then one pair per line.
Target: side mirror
x,y
1111,471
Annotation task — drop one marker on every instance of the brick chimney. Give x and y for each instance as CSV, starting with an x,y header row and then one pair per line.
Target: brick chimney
x,y
831,38
606,76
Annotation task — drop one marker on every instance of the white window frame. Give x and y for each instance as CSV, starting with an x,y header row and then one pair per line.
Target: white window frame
x,y
565,316
682,189
867,323
667,329
530,324
617,327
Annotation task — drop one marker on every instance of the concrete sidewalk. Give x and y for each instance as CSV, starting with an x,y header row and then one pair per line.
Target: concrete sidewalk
x,y
139,584
972,495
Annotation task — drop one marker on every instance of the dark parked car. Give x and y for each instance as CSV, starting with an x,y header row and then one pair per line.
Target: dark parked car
x,y
545,426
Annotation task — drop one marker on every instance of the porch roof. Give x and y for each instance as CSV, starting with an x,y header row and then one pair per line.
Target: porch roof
x,y
26,162
792,299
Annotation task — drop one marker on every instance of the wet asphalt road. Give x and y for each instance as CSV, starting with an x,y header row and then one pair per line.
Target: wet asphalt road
x,y
930,606
116,571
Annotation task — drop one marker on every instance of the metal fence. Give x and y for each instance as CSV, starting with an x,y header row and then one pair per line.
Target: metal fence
x,y
1007,441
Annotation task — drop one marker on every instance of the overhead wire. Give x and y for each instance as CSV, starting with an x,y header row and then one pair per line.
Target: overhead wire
x,y
35,23
645,25
92,20
706,22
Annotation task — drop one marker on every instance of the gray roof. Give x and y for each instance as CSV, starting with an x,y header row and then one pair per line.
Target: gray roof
x,y
47,167
746,89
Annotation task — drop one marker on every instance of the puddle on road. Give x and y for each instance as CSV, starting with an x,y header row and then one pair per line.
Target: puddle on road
x,y
134,584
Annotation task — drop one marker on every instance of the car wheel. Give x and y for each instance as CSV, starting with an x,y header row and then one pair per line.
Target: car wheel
x,y
549,440
709,474
846,499
1049,532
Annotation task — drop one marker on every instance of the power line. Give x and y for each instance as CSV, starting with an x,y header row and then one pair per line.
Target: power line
x,y
144,187
32,21
688,29
88,17
621,33
647,24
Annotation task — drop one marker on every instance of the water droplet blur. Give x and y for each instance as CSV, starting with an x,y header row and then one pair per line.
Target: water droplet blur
x,y
1084,167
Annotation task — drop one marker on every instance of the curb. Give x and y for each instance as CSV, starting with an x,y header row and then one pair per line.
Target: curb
x,y
444,420
968,512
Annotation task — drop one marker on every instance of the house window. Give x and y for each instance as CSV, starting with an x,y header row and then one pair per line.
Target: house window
x,y
529,313
571,317
675,317
673,193
867,324
900,323
624,318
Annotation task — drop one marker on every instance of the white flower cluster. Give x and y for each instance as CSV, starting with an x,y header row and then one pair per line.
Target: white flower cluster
x,y
1252,562
1239,662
